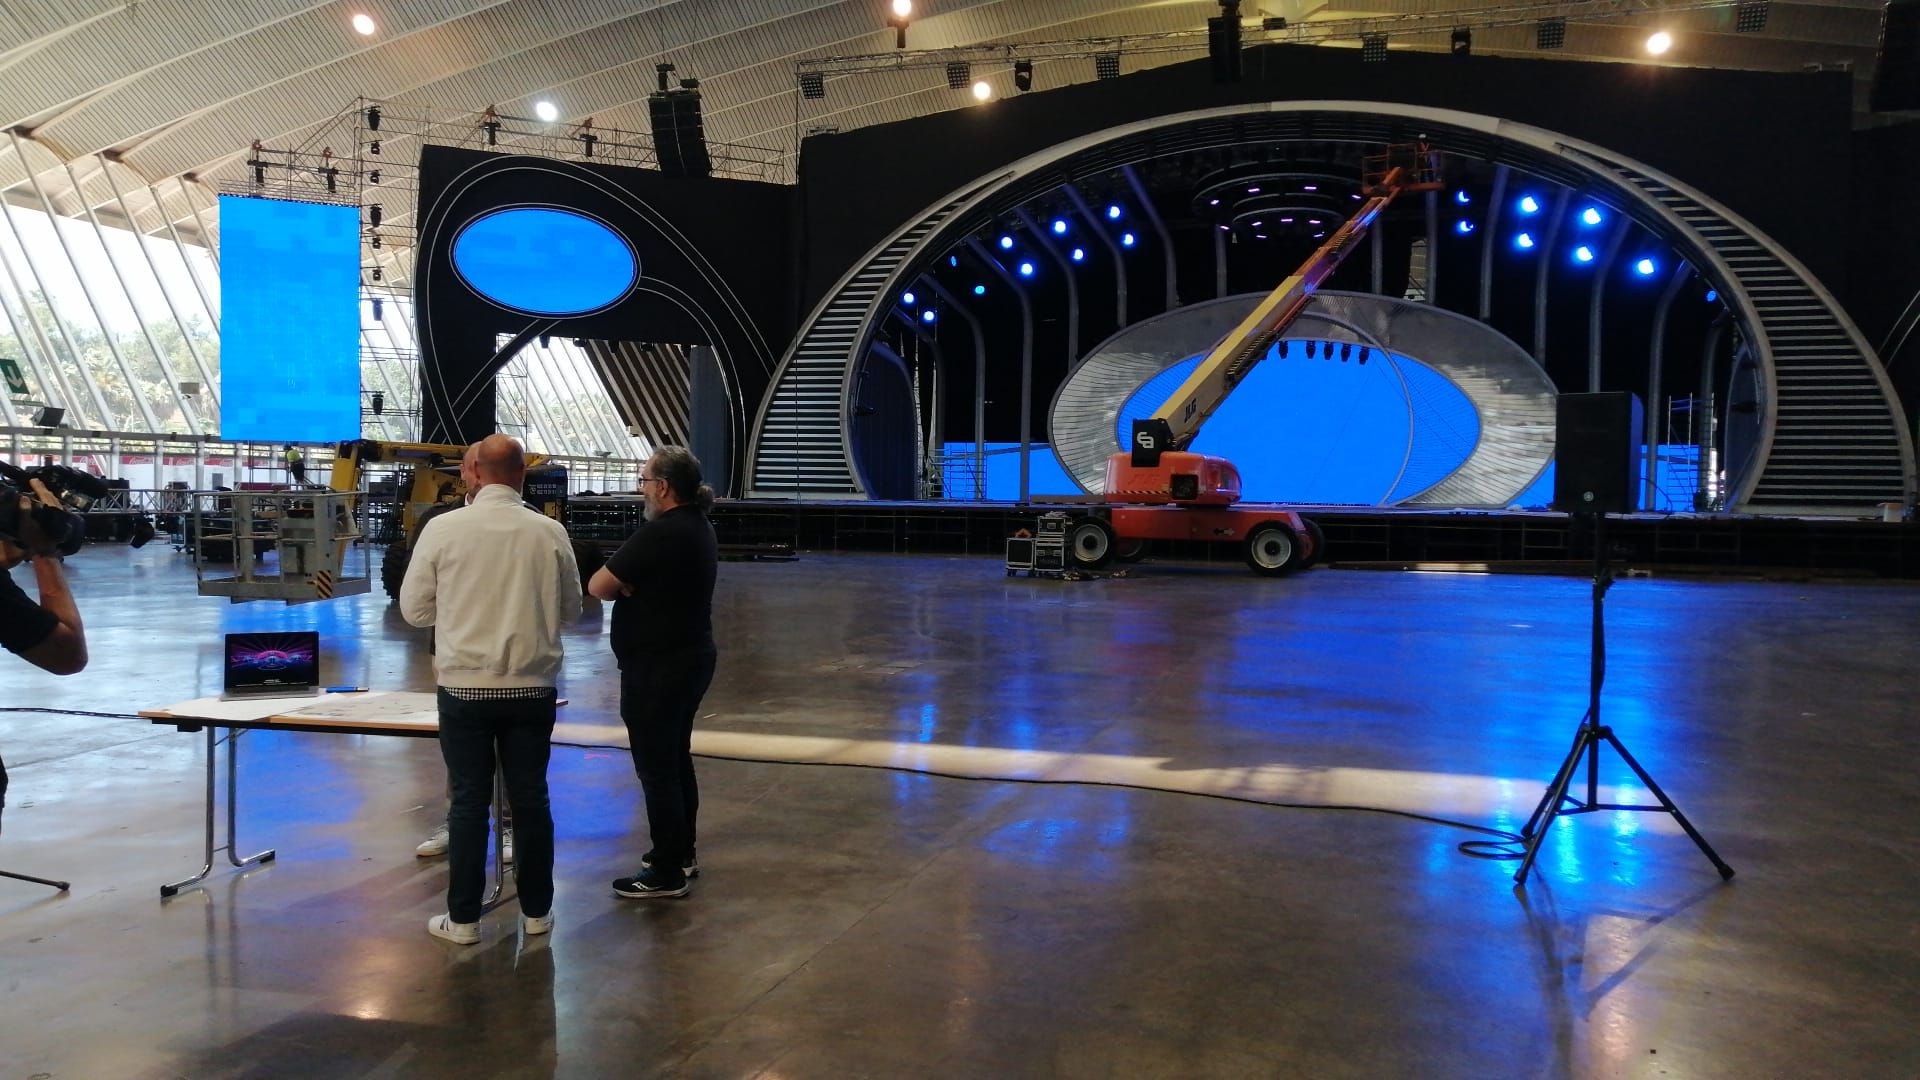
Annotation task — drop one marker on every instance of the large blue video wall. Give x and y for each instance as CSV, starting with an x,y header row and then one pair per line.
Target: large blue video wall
x,y
289,320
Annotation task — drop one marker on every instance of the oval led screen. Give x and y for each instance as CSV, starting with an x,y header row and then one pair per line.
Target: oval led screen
x,y
545,262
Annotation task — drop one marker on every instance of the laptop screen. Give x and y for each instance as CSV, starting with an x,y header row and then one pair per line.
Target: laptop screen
x,y
259,663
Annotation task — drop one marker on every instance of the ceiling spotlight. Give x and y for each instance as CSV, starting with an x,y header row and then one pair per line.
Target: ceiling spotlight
x,y
1659,42
907,298
363,24
1750,16
1712,296
1550,33
902,15
1583,253
928,315
1529,204
1373,48
1591,216
959,74
1126,239
547,111
813,85
1524,241
1006,243
1079,254
1059,226
1463,227
1023,75
1462,198
1113,212
979,290
982,90
1026,269
1106,66
1645,267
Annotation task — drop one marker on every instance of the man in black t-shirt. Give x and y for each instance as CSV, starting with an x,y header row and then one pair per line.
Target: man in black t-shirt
x,y
661,585
48,634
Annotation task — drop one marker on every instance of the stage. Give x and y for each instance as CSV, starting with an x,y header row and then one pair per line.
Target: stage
x,y
1365,536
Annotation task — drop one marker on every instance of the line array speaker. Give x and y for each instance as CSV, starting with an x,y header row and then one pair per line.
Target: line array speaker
x,y
679,136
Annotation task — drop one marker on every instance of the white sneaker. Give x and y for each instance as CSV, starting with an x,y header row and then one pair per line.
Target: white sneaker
x,y
531,926
506,844
460,933
433,845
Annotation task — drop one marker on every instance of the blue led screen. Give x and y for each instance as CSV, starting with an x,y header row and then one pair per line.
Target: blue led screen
x,y
1320,430
289,321
545,262
1045,474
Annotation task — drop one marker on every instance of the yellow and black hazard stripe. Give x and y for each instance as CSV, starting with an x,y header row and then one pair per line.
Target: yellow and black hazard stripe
x,y
323,585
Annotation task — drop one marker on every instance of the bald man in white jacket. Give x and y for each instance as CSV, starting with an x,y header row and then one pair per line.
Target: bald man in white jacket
x,y
510,584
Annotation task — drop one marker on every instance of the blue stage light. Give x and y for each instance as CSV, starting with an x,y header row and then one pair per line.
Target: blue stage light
x,y
1463,227
1591,216
1529,204
1126,239
1524,241
1583,253
1006,243
953,260
1079,254
1113,212
927,315
906,298
1712,296
1462,198
1059,226
979,290
1645,267
1026,269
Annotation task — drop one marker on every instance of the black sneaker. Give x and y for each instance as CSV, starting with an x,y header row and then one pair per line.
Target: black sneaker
x,y
691,867
649,883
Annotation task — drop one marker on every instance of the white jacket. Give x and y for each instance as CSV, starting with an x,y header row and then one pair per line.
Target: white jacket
x,y
496,581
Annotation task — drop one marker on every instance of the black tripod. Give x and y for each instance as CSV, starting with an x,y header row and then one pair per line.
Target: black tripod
x,y
1586,743
60,885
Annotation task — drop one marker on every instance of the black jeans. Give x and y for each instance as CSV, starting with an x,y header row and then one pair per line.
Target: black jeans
x,y
518,734
659,695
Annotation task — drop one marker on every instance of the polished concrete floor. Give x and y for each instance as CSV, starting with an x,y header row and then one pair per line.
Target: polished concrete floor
x,y
877,922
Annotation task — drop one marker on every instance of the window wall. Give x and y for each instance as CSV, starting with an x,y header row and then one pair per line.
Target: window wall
x,y
110,310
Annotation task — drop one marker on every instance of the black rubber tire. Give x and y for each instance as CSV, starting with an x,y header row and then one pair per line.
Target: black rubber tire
x,y
1090,543
1132,551
393,569
1272,549
1319,540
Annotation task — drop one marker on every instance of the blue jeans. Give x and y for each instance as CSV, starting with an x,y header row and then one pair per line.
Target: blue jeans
x,y
517,733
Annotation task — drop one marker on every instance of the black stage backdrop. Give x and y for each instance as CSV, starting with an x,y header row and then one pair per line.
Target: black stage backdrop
x,y
1773,147
1885,255
715,264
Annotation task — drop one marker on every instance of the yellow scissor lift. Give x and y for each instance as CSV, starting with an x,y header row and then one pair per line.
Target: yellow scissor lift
x,y
309,530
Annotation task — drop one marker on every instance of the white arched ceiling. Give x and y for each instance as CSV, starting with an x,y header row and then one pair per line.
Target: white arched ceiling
x,y
175,88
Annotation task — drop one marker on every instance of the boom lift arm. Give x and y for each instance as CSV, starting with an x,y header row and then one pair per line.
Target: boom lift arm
x,y
1173,427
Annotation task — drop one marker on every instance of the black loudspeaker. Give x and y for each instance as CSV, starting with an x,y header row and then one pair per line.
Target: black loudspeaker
x,y
1223,43
679,137
49,416
1896,77
1596,453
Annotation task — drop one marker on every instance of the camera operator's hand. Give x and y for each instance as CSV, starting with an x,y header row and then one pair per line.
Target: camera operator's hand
x,y
32,537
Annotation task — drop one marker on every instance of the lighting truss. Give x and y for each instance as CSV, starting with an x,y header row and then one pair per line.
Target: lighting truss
x,y
1435,25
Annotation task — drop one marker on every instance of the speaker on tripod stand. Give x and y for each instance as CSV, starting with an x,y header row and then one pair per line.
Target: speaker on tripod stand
x,y
1595,473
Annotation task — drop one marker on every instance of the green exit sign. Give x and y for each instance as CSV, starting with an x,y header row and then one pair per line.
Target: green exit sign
x,y
10,370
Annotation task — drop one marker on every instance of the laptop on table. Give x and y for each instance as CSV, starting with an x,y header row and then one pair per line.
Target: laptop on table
x,y
272,665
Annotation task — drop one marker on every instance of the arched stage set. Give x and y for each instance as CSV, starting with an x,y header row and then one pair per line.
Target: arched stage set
x,y
950,320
